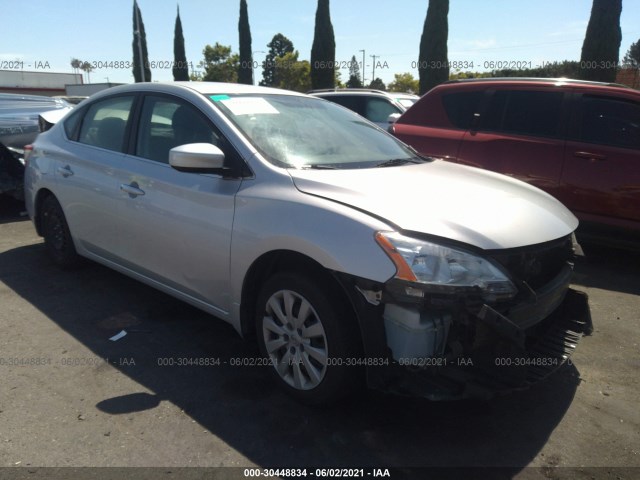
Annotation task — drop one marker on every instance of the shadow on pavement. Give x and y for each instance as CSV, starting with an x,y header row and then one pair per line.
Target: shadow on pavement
x,y
242,407
608,269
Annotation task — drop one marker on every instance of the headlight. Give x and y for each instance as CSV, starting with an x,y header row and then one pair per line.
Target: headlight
x,y
443,268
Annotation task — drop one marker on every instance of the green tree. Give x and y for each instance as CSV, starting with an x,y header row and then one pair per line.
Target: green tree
x,y
291,73
632,57
567,68
245,73
377,84
338,79
354,74
220,65
180,67
141,70
601,47
323,50
469,74
433,59
278,47
404,82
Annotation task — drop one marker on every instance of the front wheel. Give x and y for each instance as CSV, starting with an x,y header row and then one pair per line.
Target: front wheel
x,y
308,337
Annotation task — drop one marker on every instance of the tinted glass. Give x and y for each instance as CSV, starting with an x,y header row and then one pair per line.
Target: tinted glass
x,y
303,132
461,107
535,113
610,121
167,123
351,102
105,122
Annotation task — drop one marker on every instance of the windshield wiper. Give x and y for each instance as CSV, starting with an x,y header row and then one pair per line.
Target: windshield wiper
x,y
400,161
318,166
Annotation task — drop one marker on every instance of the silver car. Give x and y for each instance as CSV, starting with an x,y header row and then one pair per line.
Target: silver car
x,y
348,256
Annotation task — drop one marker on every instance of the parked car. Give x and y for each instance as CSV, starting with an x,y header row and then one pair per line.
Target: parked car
x,y
579,141
18,127
348,256
374,105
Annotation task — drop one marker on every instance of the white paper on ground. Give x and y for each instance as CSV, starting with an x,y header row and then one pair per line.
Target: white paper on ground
x,y
118,336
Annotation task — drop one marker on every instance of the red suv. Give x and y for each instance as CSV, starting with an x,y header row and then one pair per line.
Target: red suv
x,y
579,141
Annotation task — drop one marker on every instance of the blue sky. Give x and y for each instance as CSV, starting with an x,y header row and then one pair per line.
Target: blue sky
x,y
480,31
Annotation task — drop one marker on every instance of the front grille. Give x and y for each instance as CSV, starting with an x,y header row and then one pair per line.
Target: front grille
x,y
536,265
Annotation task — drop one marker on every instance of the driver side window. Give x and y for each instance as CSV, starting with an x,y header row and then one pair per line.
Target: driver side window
x,y
166,123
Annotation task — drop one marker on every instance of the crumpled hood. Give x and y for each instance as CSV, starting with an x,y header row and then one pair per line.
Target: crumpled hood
x,y
470,205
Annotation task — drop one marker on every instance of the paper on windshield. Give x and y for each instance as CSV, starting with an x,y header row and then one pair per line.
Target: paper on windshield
x,y
249,106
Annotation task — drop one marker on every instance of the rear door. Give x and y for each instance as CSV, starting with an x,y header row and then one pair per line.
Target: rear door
x,y
520,132
84,172
602,161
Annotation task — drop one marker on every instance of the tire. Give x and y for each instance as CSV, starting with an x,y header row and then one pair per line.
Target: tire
x,y
307,335
57,238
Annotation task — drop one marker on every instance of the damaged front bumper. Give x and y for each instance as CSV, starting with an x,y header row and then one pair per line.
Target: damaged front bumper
x,y
445,348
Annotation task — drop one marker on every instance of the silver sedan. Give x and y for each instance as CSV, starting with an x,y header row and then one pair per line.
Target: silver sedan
x,y
348,256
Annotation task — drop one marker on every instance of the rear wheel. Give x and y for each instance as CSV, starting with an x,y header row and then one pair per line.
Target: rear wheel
x,y
308,337
57,238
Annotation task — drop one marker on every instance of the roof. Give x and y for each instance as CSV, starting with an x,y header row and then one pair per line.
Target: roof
x,y
554,81
204,88
360,91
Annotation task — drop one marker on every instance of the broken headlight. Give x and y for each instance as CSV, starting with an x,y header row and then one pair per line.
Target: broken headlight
x,y
442,268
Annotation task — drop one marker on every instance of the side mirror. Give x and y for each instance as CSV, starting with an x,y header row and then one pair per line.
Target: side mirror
x,y
393,118
197,158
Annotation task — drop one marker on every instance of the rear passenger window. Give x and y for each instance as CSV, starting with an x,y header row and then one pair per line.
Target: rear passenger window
x,y
351,102
610,121
535,113
461,107
105,122
72,124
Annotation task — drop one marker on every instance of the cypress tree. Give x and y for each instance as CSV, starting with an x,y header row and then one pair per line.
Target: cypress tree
x,y
601,47
323,51
180,67
140,46
433,65
245,73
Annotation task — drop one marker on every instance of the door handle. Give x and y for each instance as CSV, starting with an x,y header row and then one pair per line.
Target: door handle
x,y
132,189
590,156
65,171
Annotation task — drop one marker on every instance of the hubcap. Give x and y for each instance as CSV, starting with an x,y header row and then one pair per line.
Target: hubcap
x,y
295,340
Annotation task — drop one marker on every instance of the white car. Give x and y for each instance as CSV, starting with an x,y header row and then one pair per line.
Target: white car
x,y
347,255
377,106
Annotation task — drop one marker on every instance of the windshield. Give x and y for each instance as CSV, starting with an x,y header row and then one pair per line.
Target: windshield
x,y
406,102
302,132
